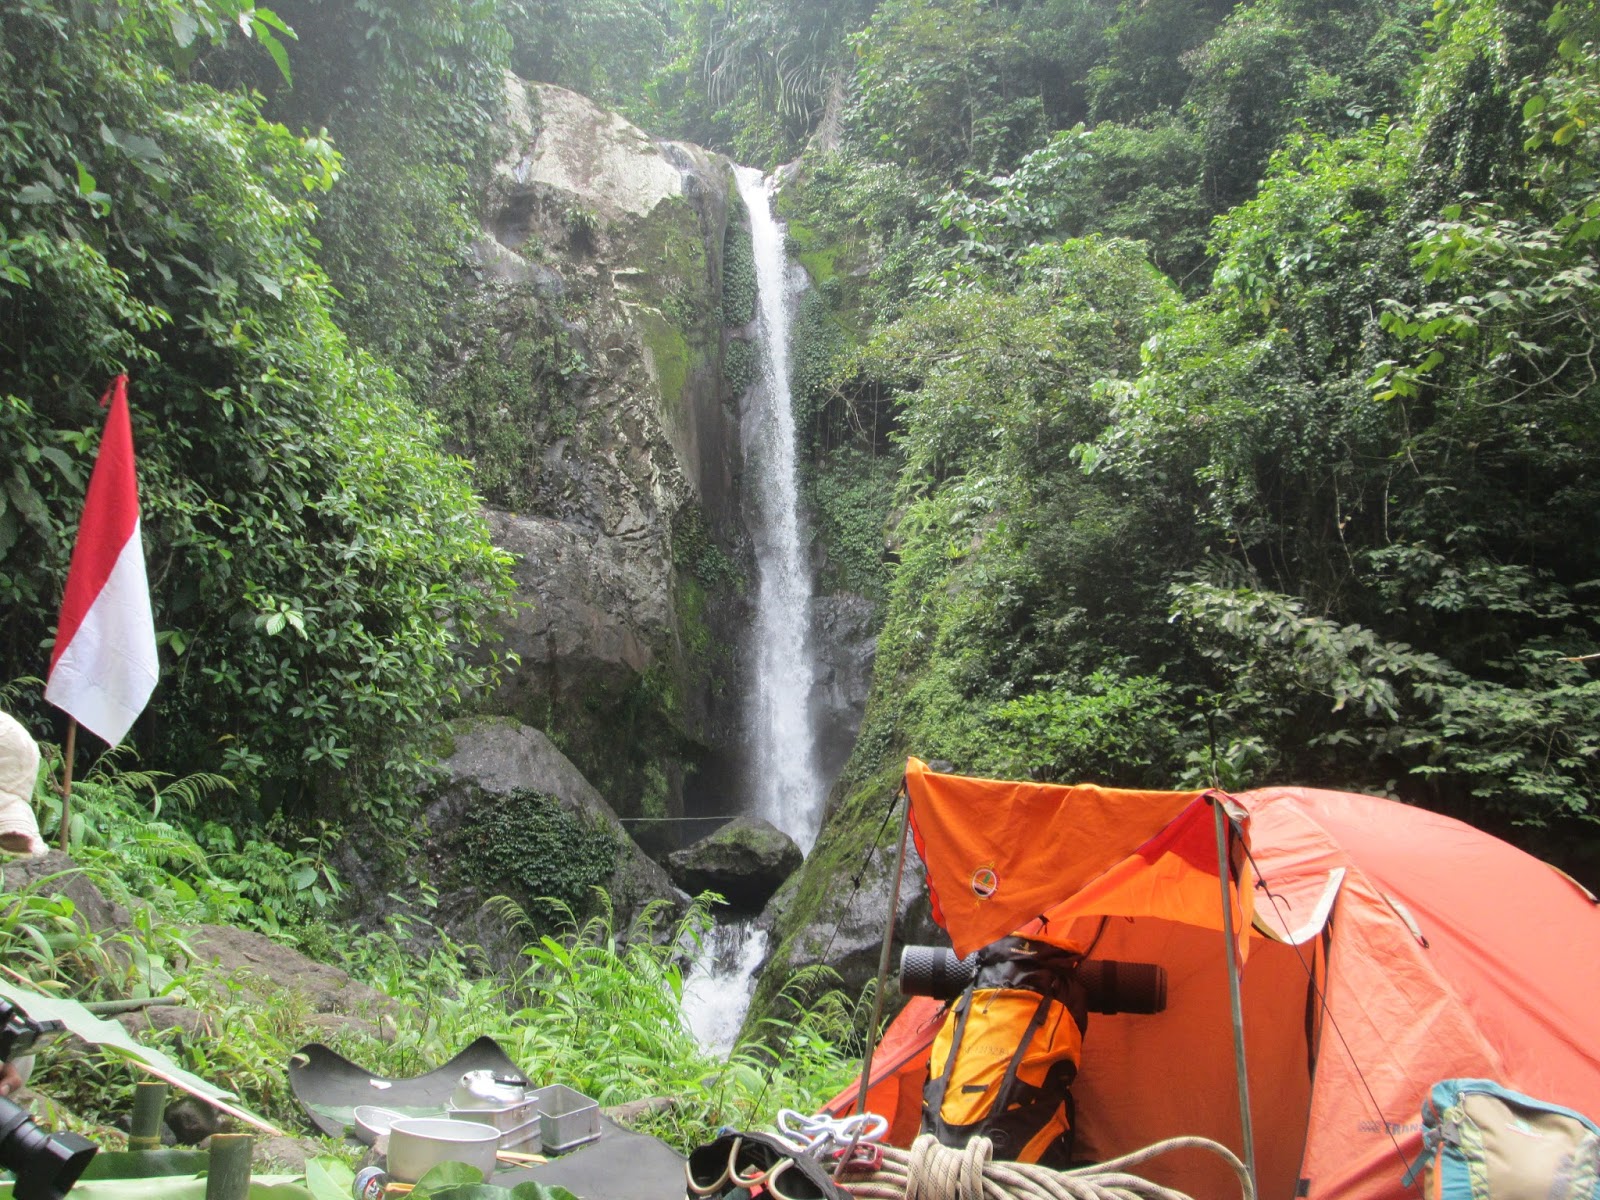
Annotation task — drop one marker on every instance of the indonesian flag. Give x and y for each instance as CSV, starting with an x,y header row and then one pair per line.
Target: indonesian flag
x,y
103,667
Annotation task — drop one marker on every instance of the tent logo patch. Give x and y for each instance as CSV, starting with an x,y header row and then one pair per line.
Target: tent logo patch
x,y
985,883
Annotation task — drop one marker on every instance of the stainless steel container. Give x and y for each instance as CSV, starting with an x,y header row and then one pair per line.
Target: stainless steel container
x,y
518,1123
567,1118
417,1144
512,1116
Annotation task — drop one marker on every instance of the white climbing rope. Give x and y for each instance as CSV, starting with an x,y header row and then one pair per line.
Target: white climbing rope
x,y
931,1171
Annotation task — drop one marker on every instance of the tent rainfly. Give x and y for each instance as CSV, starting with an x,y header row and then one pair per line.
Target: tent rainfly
x,y
1383,948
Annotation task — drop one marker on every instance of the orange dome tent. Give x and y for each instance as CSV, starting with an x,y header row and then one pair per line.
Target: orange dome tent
x,y
1384,948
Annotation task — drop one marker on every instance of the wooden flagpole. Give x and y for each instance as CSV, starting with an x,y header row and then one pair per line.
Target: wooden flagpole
x,y
66,782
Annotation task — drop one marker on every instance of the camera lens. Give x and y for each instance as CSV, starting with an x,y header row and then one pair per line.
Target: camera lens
x,y
1124,987
46,1164
1109,986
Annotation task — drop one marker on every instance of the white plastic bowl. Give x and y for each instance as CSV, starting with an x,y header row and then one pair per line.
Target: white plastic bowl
x,y
417,1144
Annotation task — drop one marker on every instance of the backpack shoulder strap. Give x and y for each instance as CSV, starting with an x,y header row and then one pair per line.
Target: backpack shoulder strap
x,y
938,1087
1009,1083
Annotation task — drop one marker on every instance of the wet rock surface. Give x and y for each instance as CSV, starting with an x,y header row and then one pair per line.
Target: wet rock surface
x,y
625,530
746,860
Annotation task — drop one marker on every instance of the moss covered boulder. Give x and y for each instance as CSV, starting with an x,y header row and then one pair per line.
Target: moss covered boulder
x,y
747,860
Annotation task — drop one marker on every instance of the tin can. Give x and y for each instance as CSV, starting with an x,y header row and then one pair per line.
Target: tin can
x,y
369,1184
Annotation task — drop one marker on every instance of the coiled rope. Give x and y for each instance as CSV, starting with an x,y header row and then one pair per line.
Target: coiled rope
x,y
932,1171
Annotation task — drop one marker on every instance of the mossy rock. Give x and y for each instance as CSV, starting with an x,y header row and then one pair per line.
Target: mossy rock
x,y
747,860
835,909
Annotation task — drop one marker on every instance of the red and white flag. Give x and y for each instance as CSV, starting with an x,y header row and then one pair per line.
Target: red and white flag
x,y
103,668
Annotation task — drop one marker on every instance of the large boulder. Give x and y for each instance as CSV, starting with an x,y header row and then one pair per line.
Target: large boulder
x,y
514,815
746,860
260,969
57,874
835,910
596,609
568,143
240,962
511,817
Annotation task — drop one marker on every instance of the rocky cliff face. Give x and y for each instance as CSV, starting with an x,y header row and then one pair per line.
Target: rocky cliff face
x,y
591,388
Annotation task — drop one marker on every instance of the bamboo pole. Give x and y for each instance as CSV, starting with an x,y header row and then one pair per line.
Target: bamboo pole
x,y
149,1106
229,1176
106,1008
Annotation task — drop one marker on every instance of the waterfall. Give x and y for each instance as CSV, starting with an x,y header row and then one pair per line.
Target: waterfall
x,y
717,990
787,787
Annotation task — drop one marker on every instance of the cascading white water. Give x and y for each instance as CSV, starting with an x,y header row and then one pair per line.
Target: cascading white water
x,y
716,992
788,788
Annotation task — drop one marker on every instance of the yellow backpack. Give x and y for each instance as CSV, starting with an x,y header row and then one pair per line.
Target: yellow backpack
x,y
1005,1057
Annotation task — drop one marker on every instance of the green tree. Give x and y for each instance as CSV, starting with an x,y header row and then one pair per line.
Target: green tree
x,y
948,83
1016,572
318,569
408,90
1385,419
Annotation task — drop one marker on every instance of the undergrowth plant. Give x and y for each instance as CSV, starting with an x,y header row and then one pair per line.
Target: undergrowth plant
x,y
589,1005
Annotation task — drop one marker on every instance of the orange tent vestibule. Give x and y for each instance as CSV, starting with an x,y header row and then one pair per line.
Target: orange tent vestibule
x,y
1384,948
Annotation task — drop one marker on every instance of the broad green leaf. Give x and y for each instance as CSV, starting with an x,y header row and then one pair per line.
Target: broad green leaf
x,y
275,48
328,1178
68,469
446,1175
146,1164
185,28
262,1187
532,1190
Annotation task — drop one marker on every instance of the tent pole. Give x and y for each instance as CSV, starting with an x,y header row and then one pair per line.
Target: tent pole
x,y
1225,875
883,976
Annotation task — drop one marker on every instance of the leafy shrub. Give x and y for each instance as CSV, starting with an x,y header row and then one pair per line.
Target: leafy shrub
x,y
528,844
1109,729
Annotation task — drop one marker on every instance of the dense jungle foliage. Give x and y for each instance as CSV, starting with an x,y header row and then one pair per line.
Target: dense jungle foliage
x,y
318,567
1241,393
1225,372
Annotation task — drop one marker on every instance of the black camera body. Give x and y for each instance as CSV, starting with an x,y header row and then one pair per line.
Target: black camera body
x,y
46,1165
1109,986
20,1034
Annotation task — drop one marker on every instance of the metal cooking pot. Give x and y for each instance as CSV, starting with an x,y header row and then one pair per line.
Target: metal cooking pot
x,y
373,1122
419,1143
